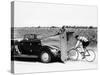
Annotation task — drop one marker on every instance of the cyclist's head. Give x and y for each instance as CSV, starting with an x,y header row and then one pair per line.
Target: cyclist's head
x,y
76,36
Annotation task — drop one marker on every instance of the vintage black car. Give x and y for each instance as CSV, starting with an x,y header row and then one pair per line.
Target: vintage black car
x,y
31,46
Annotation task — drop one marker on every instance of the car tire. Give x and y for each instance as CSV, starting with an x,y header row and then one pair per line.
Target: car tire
x,y
45,57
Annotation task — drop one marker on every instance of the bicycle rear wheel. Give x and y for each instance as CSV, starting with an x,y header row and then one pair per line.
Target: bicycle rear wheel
x,y
73,54
90,55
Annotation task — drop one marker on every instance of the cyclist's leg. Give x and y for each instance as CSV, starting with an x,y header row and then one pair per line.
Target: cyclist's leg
x,y
81,47
84,50
85,44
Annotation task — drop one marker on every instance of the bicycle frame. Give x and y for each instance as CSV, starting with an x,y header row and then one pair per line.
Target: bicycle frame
x,y
85,51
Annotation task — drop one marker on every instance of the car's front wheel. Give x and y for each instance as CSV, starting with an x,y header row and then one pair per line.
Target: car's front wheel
x,y
45,57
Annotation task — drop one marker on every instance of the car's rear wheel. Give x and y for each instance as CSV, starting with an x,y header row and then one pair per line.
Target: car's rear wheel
x,y
45,57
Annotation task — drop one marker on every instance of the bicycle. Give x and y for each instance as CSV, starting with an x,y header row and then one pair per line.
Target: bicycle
x,y
88,54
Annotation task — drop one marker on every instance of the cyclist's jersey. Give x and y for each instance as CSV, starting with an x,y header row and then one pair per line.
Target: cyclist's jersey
x,y
83,39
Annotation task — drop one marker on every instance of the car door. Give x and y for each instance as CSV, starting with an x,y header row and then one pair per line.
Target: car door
x,y
36,47
25,44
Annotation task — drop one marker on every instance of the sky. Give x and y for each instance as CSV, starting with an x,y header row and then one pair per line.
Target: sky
x,y
30,14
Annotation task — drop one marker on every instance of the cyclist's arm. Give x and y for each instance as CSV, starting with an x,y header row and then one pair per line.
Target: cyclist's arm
x,y
77,44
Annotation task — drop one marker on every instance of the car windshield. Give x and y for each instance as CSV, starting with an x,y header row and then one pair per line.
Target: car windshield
x,y
30,36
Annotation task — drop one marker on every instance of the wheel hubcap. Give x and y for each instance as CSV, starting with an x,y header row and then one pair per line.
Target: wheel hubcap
x,y
45,57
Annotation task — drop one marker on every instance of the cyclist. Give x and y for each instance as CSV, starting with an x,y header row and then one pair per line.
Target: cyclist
x,y
82,42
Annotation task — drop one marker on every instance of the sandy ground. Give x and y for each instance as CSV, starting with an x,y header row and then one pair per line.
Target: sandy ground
x,y
31,67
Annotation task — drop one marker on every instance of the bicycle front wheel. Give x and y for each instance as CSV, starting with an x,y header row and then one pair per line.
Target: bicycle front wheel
x,y
90,55
73,54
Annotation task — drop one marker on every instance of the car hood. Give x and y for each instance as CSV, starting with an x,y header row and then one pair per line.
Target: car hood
x,y
53,42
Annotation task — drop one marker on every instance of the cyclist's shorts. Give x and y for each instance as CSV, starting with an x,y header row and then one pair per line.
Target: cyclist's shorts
x,y
85,44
